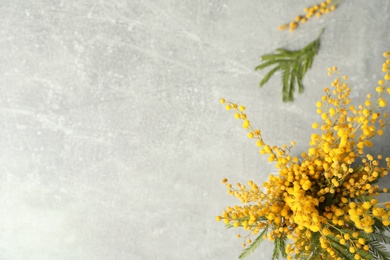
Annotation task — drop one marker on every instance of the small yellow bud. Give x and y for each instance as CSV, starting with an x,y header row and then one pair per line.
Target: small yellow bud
x,y
222,101
246,124
282,27
366,205
382,102
259,143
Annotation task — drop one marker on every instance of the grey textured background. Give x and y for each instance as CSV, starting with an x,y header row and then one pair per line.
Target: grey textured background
x,y
113,142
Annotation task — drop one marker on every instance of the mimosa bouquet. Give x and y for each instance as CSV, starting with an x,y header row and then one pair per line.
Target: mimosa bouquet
x,y
325,203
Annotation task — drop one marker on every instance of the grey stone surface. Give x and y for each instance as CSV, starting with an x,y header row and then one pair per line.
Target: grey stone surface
x,y
113,142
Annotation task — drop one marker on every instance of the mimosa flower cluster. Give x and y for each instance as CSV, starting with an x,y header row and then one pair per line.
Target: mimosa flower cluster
x,y
317,10
323,204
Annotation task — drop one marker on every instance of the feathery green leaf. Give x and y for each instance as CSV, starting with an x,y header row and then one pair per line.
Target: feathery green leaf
x,y
280,248
382,238
379,227
295,65
269,63
341,250
378,250
255,244
285,81
299,81
268,76
276,56
284,51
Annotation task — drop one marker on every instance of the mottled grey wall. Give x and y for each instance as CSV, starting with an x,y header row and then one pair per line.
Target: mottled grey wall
x,y
113,142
